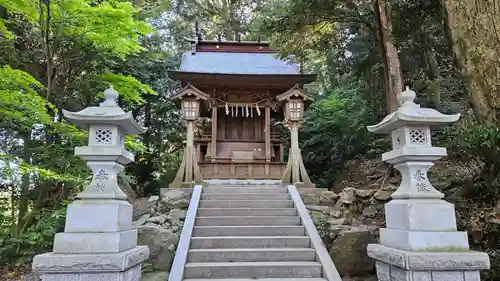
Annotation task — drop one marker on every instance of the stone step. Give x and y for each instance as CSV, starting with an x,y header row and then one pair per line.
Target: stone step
x,y
246,204
248,189
285,230
245,196
251,255
245,184
225,242
253,270
261,279
247,220
208,212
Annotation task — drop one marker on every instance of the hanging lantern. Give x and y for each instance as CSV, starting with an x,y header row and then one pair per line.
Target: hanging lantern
x,y
190,108
294,109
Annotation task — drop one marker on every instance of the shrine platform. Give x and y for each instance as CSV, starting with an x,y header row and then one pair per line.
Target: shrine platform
x,y
224,169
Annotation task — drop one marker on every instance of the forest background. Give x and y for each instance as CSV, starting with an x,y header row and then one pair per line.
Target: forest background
x,y
62,54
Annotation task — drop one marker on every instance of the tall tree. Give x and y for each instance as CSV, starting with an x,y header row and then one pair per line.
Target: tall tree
x,y
474,34
296,26
388,52
56,54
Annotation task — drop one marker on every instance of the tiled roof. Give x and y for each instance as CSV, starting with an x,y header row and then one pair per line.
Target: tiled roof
x,y
236,63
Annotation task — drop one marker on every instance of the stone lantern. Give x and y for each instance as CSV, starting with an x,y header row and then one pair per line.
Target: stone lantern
x,y
294,101
191,100
99,242
420,241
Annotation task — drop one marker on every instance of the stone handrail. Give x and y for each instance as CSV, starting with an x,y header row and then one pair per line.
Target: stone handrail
x,y
330,273
187,231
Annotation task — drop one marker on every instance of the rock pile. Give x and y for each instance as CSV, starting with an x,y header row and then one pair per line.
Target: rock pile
x,y
349,218
159,222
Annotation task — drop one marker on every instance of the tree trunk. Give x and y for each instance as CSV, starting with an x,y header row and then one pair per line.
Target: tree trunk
x,y
432,70
144,166
389,54
25,186
473,32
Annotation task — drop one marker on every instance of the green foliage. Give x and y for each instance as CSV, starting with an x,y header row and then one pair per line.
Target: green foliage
x,y
63,56
20,104
131,90
335,131
24,8
227,18
37,238
480,142
27,8
109,26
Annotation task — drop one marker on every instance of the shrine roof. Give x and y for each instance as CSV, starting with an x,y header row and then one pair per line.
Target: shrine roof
x,y
248,63
236,63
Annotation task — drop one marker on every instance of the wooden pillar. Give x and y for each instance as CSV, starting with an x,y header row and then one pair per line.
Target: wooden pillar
x,y
294,138
282,153
267,135
213,147
198,153
189,152
295,171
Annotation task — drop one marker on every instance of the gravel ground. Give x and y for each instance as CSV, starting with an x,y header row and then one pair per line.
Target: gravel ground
x,y
28,276
32,276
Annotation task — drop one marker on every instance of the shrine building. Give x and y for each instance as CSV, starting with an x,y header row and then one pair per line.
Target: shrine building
x,y
242,89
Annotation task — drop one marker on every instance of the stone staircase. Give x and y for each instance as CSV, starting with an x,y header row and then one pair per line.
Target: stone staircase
x,y
251,232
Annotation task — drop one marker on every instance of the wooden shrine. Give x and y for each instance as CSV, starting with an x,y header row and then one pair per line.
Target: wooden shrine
x,y
232,96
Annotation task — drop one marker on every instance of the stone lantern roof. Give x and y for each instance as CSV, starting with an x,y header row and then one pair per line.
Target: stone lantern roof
x,y
107,113
411,114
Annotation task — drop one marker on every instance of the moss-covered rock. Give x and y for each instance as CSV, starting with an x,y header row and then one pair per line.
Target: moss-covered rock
x,y
155,276
348,252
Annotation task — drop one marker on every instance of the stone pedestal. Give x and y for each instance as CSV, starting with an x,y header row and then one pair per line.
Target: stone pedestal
x,y
398,265
98,242
93,266
420,241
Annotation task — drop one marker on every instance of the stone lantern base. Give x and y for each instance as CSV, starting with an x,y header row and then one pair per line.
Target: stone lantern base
x,y
421,243
123,266
98,244
400,265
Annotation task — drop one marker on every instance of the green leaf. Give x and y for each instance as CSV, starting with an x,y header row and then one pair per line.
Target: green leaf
x,y
131,90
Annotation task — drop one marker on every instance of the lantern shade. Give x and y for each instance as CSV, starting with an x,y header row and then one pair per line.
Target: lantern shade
x,y
295,100
190,108
411,114
108,113
294,109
